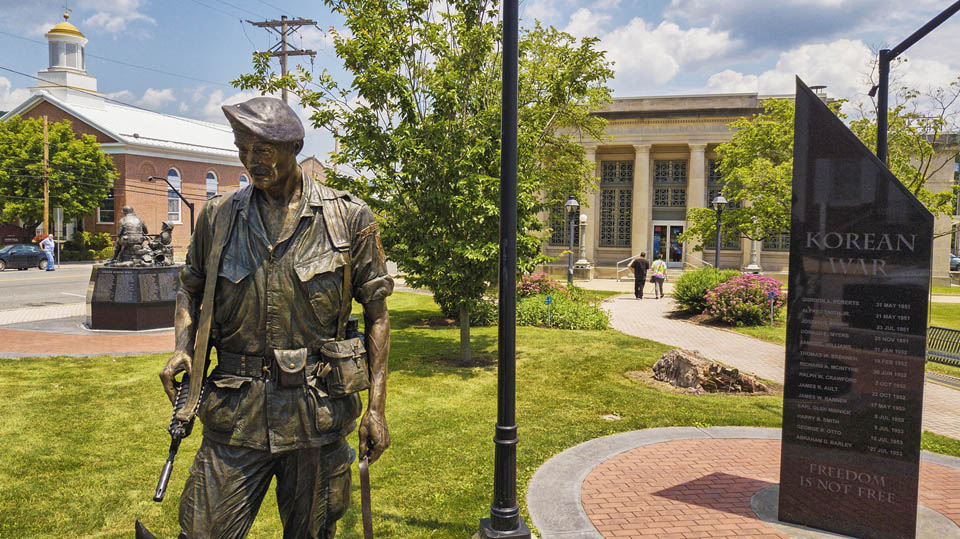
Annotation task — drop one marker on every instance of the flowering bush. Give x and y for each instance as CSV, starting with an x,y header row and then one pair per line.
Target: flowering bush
x,y
565,312
537,283
744,300
690,289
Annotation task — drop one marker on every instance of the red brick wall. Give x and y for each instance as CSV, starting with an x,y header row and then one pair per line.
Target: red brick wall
x,y
149,198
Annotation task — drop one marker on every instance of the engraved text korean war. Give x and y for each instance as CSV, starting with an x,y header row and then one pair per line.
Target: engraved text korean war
x,y
860,248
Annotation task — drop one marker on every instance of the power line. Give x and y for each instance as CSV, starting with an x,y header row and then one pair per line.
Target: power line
x,y
240,8
286,26
127,64
208,6
275,7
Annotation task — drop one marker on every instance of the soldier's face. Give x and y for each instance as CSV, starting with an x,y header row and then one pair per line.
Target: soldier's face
x,y
268,163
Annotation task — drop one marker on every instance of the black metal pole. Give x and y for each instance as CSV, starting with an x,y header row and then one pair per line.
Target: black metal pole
x,y
177,191
883,67
570,256
505,520
716,258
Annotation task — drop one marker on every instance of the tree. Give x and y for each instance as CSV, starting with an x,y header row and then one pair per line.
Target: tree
x,y
757,164
419,133
80,174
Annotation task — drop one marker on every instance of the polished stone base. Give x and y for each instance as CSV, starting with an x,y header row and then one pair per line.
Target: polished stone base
x,y
132,298
765,503
487,531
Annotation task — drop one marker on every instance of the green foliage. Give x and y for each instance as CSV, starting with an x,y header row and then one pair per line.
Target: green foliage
x,y
80,174
418,126
566,312
98,240
483,312
690,289
744,300
105,254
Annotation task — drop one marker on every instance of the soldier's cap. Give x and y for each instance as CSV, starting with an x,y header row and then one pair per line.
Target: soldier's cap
x,y
266,117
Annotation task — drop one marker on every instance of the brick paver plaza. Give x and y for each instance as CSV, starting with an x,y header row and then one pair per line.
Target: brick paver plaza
x,y
702,488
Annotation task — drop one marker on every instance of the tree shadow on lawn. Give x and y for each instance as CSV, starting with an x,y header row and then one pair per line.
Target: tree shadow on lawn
x,y
426,352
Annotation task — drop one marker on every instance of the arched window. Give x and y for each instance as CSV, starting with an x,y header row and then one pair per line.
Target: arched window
x,y
173,201
244,180
211,184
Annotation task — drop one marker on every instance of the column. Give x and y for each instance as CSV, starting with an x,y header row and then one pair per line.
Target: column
x,y
696,187
641,224
591,207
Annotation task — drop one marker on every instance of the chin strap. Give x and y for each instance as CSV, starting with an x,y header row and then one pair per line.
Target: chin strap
x,y
365,499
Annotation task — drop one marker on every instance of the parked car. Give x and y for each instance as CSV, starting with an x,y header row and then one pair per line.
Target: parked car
x,y
22,256
954,262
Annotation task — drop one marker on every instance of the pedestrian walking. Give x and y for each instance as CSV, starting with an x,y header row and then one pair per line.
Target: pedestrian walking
x,y
658,274
639,266
48,246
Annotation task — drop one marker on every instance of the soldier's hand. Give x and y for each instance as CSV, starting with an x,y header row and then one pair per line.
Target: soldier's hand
x,y
374,436
179,362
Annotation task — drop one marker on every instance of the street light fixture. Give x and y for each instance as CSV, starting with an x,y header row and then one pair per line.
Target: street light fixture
x,y
573,209
718,204
177,191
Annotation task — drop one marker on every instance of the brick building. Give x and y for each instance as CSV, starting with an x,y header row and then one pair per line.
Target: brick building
x,y
198,158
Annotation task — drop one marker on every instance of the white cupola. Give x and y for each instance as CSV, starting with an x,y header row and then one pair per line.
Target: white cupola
x,y
66,75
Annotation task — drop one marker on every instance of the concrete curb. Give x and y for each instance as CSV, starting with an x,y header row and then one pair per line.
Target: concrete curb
x,y
553,497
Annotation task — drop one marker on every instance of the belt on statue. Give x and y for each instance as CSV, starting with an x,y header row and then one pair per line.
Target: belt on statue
x,y
254,366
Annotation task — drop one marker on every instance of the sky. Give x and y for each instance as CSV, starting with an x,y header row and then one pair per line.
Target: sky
x,y
178,56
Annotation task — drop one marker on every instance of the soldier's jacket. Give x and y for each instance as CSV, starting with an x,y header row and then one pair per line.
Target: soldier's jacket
x,y
285,296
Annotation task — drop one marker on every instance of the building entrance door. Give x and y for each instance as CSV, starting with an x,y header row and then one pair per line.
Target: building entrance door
x,y
666,242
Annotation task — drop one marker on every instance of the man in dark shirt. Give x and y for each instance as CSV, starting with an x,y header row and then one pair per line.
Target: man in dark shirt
x,y
639,267
271,407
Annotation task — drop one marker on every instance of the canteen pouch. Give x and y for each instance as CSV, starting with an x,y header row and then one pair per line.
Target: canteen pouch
x,y
348,366
291,366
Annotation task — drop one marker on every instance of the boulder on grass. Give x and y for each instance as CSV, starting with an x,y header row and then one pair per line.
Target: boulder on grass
x,y
690,369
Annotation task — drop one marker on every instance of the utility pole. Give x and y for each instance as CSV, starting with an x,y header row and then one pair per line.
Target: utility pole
x,y
46,179
284,27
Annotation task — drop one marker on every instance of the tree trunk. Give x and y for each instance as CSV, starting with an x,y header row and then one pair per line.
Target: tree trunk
x,y
464,333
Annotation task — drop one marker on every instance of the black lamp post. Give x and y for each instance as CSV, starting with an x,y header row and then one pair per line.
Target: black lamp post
x,y
177,191
505,519
718,205
573,212
883,67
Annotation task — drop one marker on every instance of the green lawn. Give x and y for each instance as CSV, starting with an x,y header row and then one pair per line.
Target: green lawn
x,y
949,290
84,438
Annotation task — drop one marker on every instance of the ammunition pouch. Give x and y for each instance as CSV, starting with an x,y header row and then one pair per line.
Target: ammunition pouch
x,y
348,371
292,367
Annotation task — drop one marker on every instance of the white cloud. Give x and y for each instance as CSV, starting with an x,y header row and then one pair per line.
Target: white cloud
x,y
585,23
643,53
10,97
840,65
542,10
125,96
113,16
155,99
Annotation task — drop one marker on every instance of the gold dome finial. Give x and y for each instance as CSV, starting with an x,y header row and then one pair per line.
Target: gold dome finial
x,y
66,16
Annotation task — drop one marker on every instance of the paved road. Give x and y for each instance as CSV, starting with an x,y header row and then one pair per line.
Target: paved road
x,y
35,288
649,319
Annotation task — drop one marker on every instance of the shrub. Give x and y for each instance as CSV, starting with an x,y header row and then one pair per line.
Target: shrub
x,y
565,313
99,241
690,289
105,254
484,313
536,283
744,300
70,255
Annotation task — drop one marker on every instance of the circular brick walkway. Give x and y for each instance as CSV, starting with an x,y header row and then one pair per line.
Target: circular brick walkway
x,y
683,482
702,488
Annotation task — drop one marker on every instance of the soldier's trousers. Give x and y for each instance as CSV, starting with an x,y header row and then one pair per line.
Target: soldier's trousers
x,y
227,484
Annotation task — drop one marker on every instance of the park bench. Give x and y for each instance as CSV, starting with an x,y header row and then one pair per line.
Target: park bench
x,y
943,345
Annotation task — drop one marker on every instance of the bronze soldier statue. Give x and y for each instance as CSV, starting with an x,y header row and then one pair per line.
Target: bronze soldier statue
x,y
269,279
131,233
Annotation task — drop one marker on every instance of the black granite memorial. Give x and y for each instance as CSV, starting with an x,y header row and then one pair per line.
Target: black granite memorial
x,y
132,298
860,254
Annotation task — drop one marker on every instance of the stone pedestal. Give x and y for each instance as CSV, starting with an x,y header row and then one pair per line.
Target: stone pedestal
x,y
583,272
132,298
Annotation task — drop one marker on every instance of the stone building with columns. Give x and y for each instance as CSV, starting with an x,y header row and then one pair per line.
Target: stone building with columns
x,y
657,161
